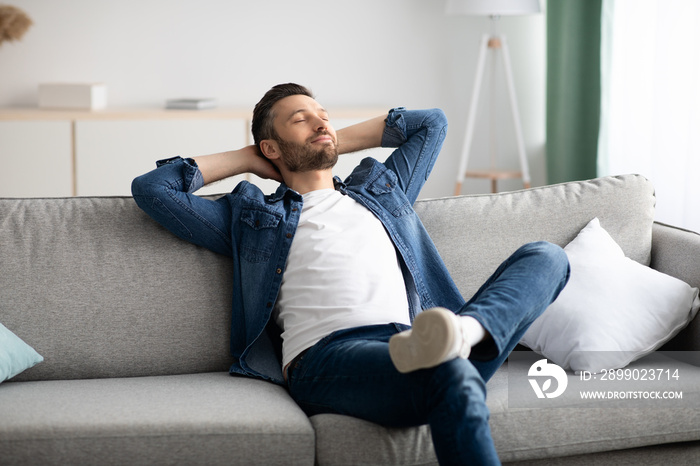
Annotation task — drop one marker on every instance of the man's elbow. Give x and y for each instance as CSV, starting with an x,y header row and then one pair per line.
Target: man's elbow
x,y
140,186
437,118
148,186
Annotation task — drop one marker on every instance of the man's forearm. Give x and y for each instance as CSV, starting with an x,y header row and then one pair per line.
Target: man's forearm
x,y
215,167
365,135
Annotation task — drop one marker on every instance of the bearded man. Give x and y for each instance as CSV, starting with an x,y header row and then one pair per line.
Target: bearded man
x,y
339,293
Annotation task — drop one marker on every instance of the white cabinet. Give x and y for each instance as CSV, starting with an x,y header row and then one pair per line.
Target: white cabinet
x,y
110,154
36,159
47,153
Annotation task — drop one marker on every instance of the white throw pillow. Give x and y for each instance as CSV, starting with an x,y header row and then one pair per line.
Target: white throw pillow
x,y
613,310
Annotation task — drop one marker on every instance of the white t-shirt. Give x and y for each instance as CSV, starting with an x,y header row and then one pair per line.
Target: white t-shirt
x,y
342,272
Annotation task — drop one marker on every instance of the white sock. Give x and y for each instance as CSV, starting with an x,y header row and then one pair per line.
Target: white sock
x,y
474,331
471,332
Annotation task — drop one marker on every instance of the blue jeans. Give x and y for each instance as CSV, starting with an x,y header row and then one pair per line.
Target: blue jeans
x,y
350,372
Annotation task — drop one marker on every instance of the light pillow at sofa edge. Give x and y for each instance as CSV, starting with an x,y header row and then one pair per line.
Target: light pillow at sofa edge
x,y
16,356
613,310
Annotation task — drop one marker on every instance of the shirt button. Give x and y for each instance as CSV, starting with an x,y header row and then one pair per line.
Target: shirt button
x,y
289,235
279,271
388,185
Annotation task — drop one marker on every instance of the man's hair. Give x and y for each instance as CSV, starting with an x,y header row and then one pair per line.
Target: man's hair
x,y
262,113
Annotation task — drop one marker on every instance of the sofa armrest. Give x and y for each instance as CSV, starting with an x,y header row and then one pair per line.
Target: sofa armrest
x,y
676,252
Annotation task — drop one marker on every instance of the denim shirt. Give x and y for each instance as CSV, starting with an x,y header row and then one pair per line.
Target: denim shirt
x,y
257,230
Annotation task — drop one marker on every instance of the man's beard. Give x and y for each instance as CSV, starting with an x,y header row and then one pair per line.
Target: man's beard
x,y
304,157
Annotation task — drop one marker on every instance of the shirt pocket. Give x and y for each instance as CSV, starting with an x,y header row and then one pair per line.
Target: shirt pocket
x,y
386,192
258,234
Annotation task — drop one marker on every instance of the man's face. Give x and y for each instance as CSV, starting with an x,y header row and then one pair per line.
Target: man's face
x,y
306,139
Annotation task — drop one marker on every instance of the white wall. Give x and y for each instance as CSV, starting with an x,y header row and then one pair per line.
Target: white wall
x,y
350,53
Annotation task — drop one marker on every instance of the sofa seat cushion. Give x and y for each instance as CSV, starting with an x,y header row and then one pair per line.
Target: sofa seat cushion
x,y
519,434
210,418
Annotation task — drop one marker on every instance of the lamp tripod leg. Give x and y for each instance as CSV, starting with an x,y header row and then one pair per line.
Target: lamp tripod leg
x,y
471,119
516,114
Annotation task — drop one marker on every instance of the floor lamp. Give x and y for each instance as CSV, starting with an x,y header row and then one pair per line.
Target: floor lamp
x,y
496,45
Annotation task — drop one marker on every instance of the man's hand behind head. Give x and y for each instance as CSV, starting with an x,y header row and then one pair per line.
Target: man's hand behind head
x,y
257,164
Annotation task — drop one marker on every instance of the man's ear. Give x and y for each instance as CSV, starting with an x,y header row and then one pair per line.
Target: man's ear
x,y
270,149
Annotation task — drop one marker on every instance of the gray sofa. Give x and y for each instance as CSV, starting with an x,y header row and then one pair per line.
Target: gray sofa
x,y
134,327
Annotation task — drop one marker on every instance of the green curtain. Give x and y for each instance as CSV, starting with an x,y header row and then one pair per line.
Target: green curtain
x,y
573,88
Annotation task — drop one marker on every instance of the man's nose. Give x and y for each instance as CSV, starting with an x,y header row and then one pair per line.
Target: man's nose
x,y
321,124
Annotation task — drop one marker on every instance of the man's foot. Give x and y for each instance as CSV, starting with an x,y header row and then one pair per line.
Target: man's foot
x,y
437,336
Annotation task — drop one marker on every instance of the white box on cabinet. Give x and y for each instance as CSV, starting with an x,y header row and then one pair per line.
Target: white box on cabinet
x,y
91,96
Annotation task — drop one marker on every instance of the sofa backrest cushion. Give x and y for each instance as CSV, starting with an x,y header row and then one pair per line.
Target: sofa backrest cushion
x,y
100,290
475,233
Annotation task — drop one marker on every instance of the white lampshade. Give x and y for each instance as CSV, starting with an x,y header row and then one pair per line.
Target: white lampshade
x,y
492,7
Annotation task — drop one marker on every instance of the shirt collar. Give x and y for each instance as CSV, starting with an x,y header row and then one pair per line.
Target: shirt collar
x,y
283,189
